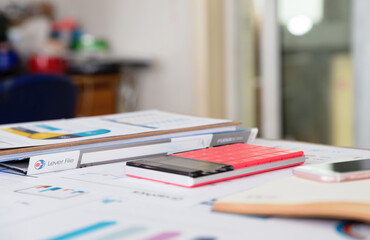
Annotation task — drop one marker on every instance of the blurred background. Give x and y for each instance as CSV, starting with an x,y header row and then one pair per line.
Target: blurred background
x,y
295,69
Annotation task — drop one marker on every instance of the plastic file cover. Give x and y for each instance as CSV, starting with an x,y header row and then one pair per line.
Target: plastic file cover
x,y
35,136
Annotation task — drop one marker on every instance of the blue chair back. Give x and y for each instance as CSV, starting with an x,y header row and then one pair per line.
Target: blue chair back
x,y
36,97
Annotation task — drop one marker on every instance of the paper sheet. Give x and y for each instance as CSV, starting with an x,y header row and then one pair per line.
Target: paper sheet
x,y
112,206
105,211
76,129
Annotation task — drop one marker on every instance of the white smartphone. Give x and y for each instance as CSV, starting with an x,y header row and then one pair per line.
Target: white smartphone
x,y
335,171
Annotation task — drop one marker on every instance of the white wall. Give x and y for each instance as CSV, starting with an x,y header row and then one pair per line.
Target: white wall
x,y
161,30
361,61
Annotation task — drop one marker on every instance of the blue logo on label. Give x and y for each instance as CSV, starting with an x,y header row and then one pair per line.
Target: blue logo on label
x,y
39,164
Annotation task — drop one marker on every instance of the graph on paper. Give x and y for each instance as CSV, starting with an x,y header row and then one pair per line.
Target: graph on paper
x,y
52,191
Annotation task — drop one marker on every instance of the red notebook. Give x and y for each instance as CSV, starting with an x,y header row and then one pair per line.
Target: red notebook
x,y
194,168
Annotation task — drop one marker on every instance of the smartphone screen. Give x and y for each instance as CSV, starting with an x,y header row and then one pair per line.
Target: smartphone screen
x,y
336,171
345,167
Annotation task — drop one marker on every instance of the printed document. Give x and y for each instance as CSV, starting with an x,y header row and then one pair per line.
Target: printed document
x,y
77,129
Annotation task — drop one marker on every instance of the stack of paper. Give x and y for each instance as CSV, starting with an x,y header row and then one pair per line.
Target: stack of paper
x,y
46,146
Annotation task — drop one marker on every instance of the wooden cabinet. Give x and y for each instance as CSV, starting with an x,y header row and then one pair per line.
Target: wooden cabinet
x,y
97,94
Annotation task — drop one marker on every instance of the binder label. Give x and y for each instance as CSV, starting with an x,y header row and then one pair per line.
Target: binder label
x,y
53,162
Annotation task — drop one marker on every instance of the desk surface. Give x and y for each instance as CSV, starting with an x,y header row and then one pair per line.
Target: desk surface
x,y
101,203
105,65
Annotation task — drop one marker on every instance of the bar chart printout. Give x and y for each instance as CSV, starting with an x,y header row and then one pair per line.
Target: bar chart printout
x,y
52,191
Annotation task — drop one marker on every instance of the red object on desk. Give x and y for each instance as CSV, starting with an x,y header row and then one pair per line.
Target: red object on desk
x,y
241,155
47,64
189,169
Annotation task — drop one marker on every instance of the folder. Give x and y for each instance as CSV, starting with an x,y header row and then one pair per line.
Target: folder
x,y
57,149
296,197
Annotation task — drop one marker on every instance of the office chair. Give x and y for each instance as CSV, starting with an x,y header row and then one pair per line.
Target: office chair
x,y
36,97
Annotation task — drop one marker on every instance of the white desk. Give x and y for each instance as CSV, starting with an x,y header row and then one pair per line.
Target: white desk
x,y
101,203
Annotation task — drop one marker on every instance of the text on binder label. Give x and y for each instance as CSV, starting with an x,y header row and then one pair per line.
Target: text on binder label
x,y
53,162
